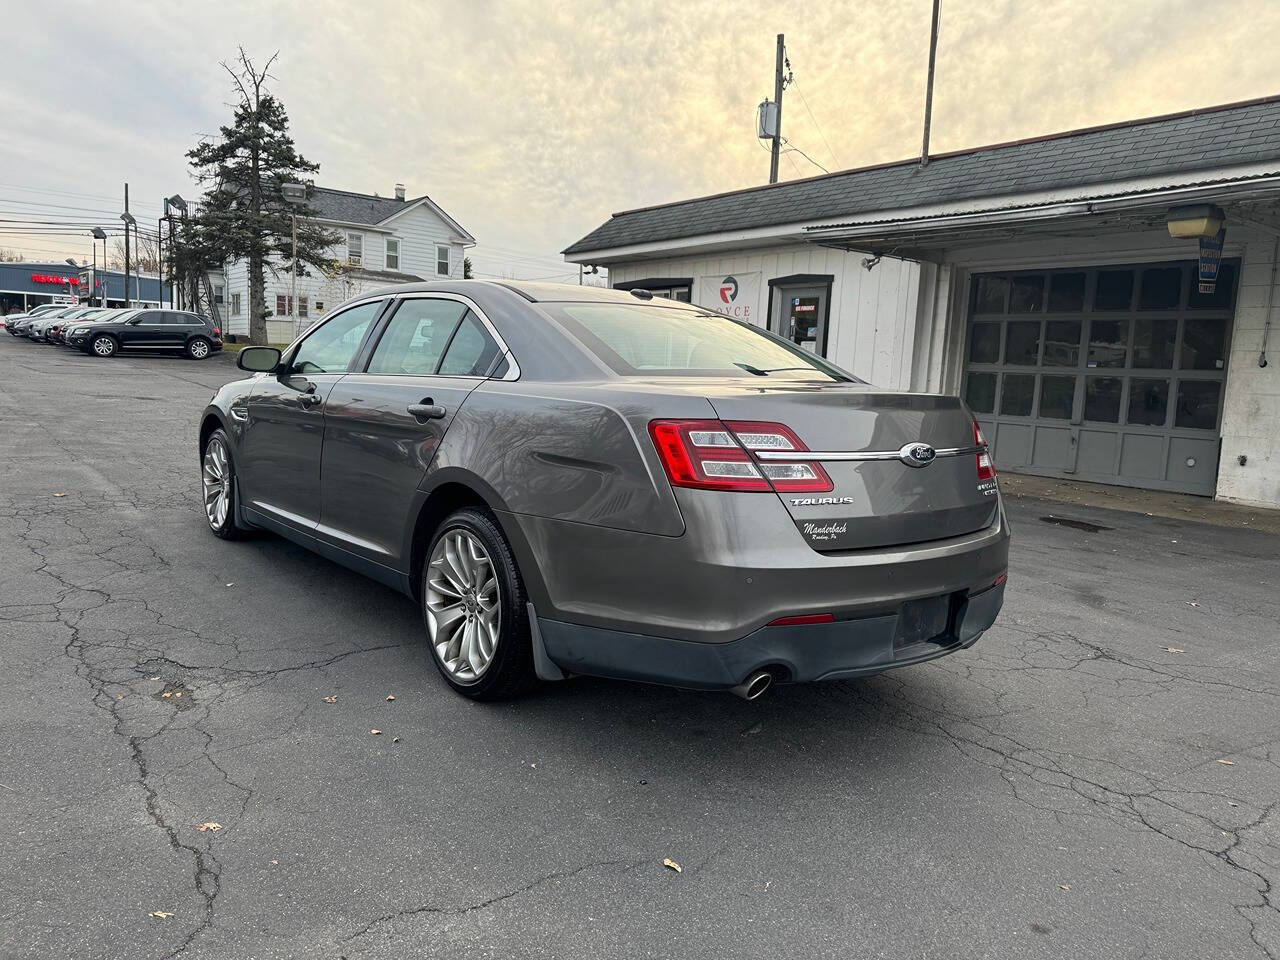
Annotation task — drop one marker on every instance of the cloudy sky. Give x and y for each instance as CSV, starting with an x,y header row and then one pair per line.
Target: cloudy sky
x,y
531,120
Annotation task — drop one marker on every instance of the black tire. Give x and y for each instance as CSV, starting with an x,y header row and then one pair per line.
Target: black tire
x,y
103,345
198,348
226,527
510,671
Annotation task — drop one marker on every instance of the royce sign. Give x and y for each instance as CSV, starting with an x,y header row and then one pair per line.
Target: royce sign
x,y
735,295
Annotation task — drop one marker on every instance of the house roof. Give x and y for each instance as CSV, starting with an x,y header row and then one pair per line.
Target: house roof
x,y
344,206
1229,135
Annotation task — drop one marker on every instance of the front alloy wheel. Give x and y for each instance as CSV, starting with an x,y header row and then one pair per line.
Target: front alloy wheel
x,y
475,609
218,487
104,346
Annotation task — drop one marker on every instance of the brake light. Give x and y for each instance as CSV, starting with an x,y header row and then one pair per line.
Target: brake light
x,y
217,331
802,619
986,469
717,455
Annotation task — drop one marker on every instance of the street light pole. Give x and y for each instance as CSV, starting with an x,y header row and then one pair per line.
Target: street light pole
x,y
295,194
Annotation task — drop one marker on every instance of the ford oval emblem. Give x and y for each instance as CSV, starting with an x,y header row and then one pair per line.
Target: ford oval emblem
x,y
917,454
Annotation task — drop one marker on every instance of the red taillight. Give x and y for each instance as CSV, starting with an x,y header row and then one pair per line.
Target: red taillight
x,y
217,331
802,619
986,469
718,455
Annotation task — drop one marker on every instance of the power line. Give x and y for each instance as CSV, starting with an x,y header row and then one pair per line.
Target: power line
x,y
804,101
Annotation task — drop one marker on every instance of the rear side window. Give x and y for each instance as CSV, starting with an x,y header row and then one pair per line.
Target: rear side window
x,y
472,352
644,339
416,337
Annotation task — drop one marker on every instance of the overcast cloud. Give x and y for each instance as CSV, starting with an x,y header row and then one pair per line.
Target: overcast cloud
x,y
530,122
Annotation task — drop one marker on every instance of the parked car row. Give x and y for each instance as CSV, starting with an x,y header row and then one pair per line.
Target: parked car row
x,y
104,332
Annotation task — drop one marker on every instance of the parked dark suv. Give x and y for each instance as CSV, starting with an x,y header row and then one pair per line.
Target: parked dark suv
x,y
153,330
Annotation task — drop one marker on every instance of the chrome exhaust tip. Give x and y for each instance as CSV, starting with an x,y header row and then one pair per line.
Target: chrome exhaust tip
x,y
754,686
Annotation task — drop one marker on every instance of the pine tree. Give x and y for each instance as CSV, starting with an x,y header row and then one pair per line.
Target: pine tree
x,y
243,214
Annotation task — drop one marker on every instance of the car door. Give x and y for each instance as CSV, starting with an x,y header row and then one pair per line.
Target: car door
x,y
384,424
144,331
279,464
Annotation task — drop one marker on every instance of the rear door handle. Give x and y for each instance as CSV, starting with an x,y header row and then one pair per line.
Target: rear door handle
x,y
426,410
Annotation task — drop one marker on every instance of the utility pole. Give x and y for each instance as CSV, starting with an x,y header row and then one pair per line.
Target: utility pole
x,y
126,245
777,99
928,90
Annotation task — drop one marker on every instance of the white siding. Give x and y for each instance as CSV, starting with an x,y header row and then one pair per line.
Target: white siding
x,y
419,232
873,313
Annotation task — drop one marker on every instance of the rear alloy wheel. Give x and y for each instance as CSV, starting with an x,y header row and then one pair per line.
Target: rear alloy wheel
x,y
218,486
473,606
198,348
104,346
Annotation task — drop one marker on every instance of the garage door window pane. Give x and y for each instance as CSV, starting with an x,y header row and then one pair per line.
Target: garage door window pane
x,y
1161,288
1115,290
1016,394
1107,343
1062,343
989,294
1057,397
1027,295
1102,399
1022,342
985,345
1153,342
1066,292
1202,343
1220,299
1198,404
1148,402
980,392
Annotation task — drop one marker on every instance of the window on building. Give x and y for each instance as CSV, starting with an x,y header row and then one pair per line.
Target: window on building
x,y
393,254
235,304
442,260
319,308
302,306
355,248
282,306
217,294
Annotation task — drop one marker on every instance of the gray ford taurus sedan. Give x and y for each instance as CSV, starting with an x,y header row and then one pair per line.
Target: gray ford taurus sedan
x,y
571,480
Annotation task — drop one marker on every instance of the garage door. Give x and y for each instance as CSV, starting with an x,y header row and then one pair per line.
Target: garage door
x,y
1112,374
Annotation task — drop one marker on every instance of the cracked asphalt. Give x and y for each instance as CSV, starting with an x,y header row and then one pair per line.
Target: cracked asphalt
x,y
1061,790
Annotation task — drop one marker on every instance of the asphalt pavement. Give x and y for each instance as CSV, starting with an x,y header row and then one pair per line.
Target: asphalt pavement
x,y
188,765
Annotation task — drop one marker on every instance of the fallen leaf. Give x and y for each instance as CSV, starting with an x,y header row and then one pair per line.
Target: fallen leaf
x,y
1175,650
671,864
155,678
178,695
275,863
160,913
330,699
390,697
210,826
376,733
1226,763
167,694
395,739
1191,603
1065,886
59,494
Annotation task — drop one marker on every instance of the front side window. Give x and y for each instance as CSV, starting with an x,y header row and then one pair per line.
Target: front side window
x,y
355,248
647,339
331,347
393,254
416,337
442,260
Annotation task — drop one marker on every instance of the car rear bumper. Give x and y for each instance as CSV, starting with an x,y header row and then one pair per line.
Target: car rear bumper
x,y
799,653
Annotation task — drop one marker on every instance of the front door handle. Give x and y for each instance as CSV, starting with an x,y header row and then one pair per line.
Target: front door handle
x,y
426,410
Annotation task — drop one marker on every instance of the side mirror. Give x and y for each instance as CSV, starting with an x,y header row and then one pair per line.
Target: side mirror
x,y
258,359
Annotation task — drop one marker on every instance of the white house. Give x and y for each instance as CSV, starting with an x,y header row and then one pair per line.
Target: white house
x,y
1058,284
384,240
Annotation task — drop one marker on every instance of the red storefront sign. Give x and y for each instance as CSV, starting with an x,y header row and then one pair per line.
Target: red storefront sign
x,y
53,278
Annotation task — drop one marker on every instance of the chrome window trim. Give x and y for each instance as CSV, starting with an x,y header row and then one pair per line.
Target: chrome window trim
x,y
791,456
513,368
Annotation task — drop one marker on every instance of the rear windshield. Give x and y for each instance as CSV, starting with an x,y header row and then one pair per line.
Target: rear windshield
x,y
645,340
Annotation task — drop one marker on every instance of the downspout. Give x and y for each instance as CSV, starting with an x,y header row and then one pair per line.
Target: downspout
x,y
1266,326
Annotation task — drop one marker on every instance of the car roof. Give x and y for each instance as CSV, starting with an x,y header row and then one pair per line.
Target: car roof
x,y
531,290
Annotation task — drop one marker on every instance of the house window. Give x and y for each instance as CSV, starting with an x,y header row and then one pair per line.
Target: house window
x,y
442,259
319,308
217,294
393,254
282,307
235,304
302,306
355,248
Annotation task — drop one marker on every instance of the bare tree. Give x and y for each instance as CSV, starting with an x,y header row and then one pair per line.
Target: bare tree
x,y
144,255
11,256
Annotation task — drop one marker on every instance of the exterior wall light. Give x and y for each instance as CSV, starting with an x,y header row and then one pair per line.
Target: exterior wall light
x,y
1199,220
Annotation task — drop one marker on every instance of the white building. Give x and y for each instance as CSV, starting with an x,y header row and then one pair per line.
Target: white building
x,y
384,240
1039,279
